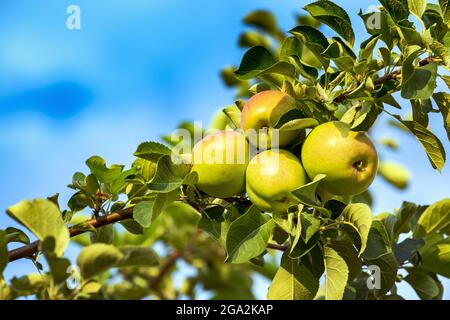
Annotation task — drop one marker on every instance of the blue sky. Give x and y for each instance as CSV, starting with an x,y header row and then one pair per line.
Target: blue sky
x,y
133,72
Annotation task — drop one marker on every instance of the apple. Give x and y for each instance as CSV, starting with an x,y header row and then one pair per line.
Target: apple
x,y
271,176
347,158
262,112
220,161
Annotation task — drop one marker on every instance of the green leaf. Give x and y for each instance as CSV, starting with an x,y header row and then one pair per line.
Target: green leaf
x,y
336,274
445,9
359,216
43,218
397,9
395,174
248,235
403,218
307,194
367,47
379,23
310,226
314,40
234,115
168,176
145,212
138,256
3,252
151,151
423,284
250,39
433,219
407,249
30,284
334,16
378,242
98,258
255,61
388,270
294,120
443,102
345,248
417,7
436,258
16,235
432,145
217,229
103,234
291,47
293,281
58,267
421,83
132,226
263,20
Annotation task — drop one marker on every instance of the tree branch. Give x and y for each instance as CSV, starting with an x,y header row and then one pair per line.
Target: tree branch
x,y
394,75
277,247
30,250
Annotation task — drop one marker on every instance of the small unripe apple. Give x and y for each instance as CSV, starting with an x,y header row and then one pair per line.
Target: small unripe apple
x,y
347,158
262,112
220,161
271,176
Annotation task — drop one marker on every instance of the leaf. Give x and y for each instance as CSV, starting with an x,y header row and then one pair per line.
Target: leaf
x,y
388,270
359,216
443,102
138,256
417,7
293,281
436,258
378,243
43,218
307,194
445,9
336,274
255,61
407,249
168,176
421,83
334,16
423,284
345,248
395,174
310,226
291,47
432,145
151,151
145,212
30,284
98,258
294,120
3,253
58,267
403,218
234,115
314,40
250,39
16,235
103,234
397,9
433,219
367,47
132,226
263,20
248,235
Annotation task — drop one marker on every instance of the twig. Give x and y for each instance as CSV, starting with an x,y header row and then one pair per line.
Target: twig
x,y
30,250
277,247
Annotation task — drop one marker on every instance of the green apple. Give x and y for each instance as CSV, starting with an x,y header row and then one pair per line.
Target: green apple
x,y
262,112
220,161
347,158
271,176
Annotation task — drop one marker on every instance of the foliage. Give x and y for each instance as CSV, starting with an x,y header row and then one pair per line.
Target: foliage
x,y
226,241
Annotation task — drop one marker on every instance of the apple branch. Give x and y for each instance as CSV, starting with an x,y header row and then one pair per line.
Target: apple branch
x,y
30,250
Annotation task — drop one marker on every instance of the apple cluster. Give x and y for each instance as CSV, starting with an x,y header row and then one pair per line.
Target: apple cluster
x,y
348,159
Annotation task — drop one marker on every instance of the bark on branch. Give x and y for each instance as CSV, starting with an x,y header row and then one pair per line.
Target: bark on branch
x,y
30,250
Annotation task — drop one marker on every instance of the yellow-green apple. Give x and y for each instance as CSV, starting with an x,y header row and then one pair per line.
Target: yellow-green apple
x,y
271,176
261,113
220,161
347,158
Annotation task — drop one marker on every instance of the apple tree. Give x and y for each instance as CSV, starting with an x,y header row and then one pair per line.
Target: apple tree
x,y
289,199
